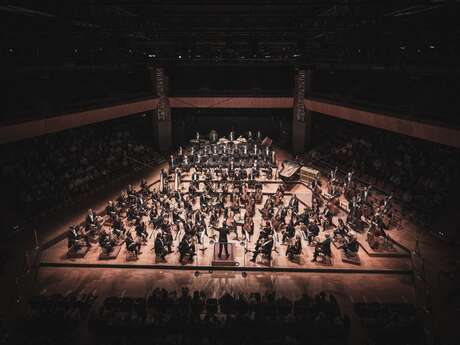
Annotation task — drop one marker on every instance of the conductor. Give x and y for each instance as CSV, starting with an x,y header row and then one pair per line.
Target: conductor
x,y
223,240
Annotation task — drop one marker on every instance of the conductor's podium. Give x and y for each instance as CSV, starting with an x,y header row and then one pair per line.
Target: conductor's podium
x,y
224,260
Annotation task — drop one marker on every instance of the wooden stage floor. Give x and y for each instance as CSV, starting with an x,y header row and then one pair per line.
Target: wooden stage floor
x,y
56,255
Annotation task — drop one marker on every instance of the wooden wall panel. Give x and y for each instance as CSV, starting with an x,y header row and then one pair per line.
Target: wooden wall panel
x,y
58,123
231,102
435,133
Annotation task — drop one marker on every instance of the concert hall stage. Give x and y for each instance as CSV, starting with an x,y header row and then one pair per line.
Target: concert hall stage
x,y
55,255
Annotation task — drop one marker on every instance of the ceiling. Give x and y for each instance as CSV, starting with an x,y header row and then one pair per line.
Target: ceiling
x,y
350,33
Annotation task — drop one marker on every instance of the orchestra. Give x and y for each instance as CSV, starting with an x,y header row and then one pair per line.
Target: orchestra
x,y
216,186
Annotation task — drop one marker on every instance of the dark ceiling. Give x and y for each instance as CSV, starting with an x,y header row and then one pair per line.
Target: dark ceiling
x,y
351,32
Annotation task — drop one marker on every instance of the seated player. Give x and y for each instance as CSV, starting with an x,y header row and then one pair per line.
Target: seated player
x,y
312,231
294,249
289,233
106,242
263,246
160,247
186,248
323,247
74,239
294,204
341,230
248,228
118,228
327,217
92,222
111,210
351,246
141,231
131,245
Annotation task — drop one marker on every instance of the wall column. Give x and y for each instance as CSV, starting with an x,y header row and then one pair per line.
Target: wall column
x,y
162,128
301,119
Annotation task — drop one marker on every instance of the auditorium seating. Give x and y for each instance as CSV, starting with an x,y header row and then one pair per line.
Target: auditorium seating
x,y
419,174
59,169
164,312
394,323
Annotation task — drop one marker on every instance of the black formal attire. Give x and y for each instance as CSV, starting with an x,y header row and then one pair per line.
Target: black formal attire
x,y
223,240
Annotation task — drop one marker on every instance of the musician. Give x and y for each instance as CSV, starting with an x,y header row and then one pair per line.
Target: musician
x,y
131,245
266,231
133,213
141,204
200,229
195,178
333,175
386,204
106,242
323,247
278,223
214,217
294,249
341,230
303,218
251,206
223,240
248,227
350,246
365,194
289,233
235,203
316,186
349,179
155,196
178,197
166,235
156,219
118,228
111,210
186,248
263,246
203,202
312,231
160,248
269,173
294,204
282,213
141,231
327,215
144,187
192,190
377,222
91,221
376,230
73,239
122,200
